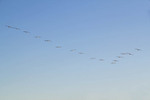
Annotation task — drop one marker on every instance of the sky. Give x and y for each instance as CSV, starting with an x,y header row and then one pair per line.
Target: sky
x,y
33,69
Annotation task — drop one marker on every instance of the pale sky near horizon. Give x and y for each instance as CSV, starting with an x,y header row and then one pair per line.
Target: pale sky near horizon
x,y
32,69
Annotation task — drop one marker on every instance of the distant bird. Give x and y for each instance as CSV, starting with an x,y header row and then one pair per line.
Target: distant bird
x,y
138,49
26,32
92,58
58,47
130,54
115,60
37,37
101,59
72,50
119,57
17,28
80,53
9,26
124,53
47,40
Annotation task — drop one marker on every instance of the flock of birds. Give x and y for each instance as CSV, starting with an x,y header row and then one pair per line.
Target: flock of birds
x,y
73,50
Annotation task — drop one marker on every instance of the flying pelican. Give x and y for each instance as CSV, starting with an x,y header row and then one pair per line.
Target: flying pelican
x,y
58,47
101,59
9,26
72,50
130,54
47,40
37,37
124,53
26,32
138,49
113,63
92,58
80,53
115,60
119,57
17,28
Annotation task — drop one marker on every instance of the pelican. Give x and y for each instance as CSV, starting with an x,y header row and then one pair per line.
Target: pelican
x,y
37,37
47,40
92,58
80,53
26,32
73,50
138,49
113,63
9,26
101,59
58,47
115,60
119,57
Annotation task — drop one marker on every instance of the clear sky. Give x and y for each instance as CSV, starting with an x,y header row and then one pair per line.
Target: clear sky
x,y
33,69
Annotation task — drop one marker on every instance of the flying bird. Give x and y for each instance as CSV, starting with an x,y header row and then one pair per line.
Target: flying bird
x,y
92,58
115,60
26,32
113,63
9,26
72,50
124,53
58,47
47,40
80,53
119,57
130,54
138,49
37,37
101,59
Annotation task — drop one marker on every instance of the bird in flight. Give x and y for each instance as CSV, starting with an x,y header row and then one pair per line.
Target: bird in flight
x,y
101,59
72,50
113,63
130,54
138,49
47,40
26,32
37,37
80,53
58,47
92,58
119,57
9,26
115,60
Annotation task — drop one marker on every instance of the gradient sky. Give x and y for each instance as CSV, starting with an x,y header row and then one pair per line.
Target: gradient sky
x,y
31,69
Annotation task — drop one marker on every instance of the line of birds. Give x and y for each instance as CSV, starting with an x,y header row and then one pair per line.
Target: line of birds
x,y
73,50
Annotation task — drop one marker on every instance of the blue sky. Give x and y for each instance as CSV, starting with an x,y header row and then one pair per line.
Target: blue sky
x,y
31,69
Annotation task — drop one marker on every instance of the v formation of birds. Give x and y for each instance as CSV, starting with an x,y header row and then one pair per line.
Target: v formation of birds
x,y
114,61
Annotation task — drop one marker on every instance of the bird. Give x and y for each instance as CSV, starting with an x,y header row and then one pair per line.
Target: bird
x,y
130,54
115,60
138,49
119,57
101,59
26,32
72,50
17,28
37,37
47,40
92,58
80,53
58,47
9,26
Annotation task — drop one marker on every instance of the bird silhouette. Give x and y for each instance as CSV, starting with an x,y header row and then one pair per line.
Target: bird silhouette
x,y
58,46
47,40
